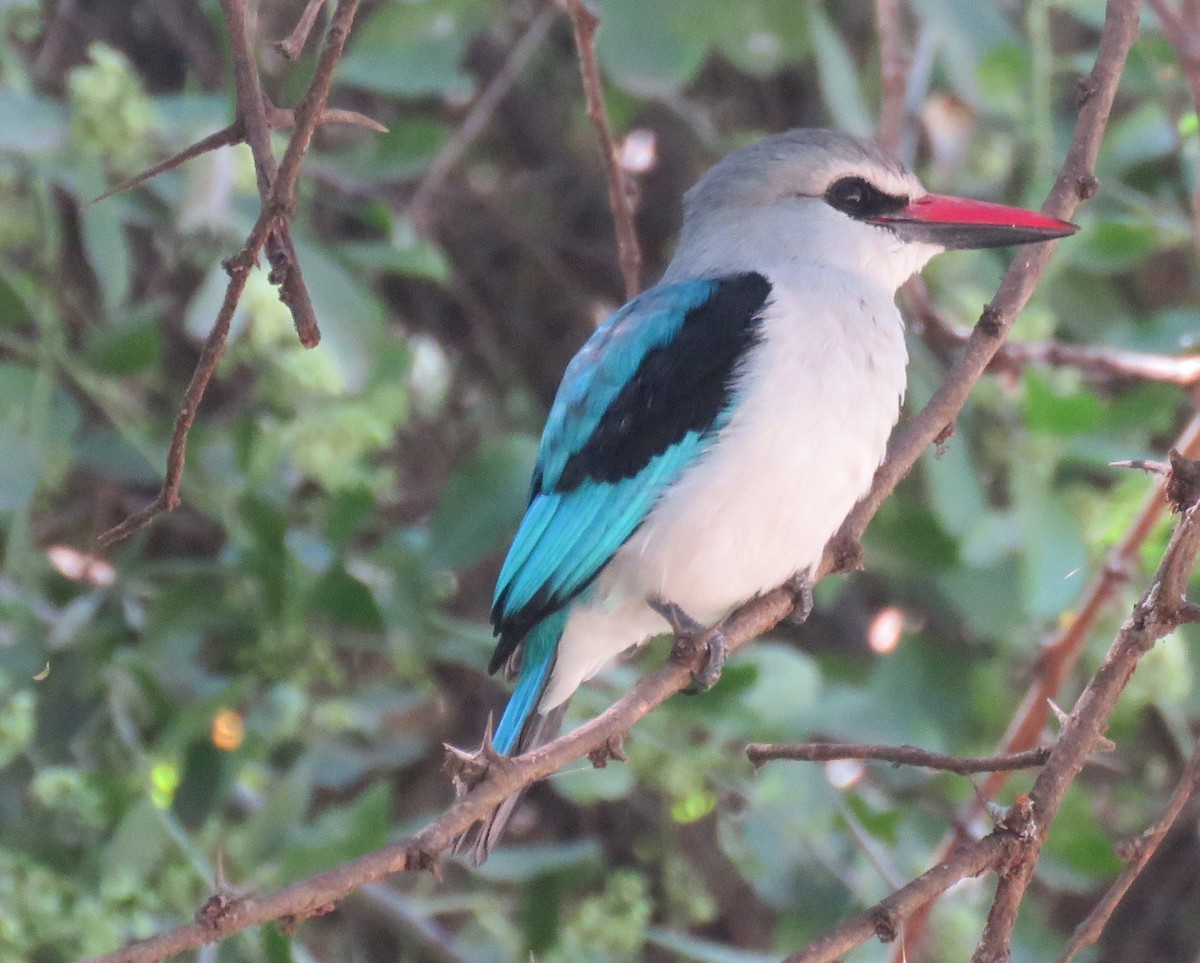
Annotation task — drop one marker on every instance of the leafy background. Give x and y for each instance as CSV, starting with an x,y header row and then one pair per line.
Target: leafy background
x,y
264,679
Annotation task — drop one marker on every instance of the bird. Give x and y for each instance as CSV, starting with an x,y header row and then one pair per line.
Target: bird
x,y
712,434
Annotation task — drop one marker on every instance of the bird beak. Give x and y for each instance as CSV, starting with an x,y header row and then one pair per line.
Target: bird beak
x,y
956,223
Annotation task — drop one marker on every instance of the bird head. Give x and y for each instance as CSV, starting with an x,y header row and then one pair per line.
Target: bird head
x,y
824,197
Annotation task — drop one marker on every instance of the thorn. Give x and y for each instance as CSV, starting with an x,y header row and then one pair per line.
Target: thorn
x,y
613,748
422,860
884,924
467,769
1059,714
941,438
847,555
1142,464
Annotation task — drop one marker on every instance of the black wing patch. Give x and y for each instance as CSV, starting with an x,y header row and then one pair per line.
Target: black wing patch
x,y
679,387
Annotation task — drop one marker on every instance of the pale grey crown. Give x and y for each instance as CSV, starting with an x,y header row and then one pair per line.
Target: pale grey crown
x,y
796,163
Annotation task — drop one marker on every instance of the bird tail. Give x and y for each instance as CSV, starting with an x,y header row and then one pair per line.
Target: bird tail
x,y
522,728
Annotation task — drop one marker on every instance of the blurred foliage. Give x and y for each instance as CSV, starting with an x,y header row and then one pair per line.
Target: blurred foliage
x,y
266,676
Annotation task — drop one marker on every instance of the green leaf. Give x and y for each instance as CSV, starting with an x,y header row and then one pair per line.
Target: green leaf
x,y
482,502
413,49
30,125
520,864
653,49
1054,559
839,76
1059,412
765,36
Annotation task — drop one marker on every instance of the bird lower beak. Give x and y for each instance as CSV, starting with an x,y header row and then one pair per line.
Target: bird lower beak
x,y
956,223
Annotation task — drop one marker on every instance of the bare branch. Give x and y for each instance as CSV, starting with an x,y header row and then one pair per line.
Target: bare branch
x,y
505,777
761,753
277,117
629,253
277,186
1100,364
294,44
1087,932
251,112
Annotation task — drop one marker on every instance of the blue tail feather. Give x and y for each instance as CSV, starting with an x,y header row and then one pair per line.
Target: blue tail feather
x,y
539,649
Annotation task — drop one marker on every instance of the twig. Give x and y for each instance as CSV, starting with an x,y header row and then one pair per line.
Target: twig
x,y
1101,364
1087,932
276,208
294,44
235,133
480,115
629,253
761,753
1154,616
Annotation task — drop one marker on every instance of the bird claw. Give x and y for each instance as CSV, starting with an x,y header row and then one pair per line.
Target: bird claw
x,y
691,636
800,586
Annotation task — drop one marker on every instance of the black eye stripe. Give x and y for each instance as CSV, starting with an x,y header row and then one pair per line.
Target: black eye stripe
x,y
859,198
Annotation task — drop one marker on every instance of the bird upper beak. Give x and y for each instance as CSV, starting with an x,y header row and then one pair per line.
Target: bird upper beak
x,y
955,222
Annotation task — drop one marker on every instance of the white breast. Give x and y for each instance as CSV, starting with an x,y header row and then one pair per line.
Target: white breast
x,y
818,398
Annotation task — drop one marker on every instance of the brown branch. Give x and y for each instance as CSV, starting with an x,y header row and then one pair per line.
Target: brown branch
x,y
294,44
504,777
214,347
893,76
620,195
1154,616
1104,365
1087,932
251,112
480,115
270,231
761,753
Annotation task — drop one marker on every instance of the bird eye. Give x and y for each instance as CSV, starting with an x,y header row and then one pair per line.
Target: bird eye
x,y
859,198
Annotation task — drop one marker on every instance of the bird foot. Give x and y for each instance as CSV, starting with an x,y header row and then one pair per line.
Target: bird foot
x,y
692,641
801,588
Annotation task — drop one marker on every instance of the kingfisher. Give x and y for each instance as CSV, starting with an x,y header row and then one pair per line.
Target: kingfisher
x,y
711,436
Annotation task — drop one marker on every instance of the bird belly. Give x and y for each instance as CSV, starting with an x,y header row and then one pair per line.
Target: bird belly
x,y
817,400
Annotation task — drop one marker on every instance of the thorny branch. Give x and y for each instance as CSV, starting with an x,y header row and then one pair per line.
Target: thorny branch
x,y
761,753
1144,847
620,194
1160,611
277,185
